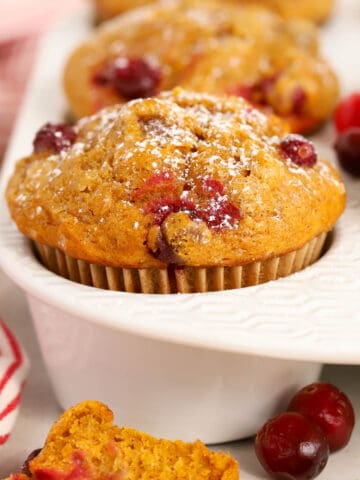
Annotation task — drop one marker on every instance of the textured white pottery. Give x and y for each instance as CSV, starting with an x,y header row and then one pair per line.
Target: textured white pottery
x,y
172,391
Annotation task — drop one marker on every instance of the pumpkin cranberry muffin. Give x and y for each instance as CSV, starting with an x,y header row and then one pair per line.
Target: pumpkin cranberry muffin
x,y
207,47
185,192
316,11
85,445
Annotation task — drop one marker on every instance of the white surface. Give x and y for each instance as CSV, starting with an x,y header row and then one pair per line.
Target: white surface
x,y
304,336
300,317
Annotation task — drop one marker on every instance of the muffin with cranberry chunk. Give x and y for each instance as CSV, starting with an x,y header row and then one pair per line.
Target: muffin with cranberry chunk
x,y
208,47
185,192
316,11
84,444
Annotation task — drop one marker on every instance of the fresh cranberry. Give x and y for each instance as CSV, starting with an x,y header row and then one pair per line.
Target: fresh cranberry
x,y
219,212
25,467
291,447
54,137
347,113
347,148
328,407
130,77
299,150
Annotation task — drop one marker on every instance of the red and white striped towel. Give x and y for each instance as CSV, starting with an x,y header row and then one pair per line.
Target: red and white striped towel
x,y
13,369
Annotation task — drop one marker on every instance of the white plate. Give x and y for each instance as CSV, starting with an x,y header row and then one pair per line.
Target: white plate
x,y
313,315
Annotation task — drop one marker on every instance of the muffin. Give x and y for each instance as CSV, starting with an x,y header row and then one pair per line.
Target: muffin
x,y
179,193
206,47
85,444
315,11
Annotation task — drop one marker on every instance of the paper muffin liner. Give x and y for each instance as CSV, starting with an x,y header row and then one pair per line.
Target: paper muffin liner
x,y
179,279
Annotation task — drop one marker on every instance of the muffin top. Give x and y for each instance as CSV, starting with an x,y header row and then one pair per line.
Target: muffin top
x,y
184,178
205,46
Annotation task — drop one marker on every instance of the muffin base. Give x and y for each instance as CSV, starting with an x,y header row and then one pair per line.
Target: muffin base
x,y
179,279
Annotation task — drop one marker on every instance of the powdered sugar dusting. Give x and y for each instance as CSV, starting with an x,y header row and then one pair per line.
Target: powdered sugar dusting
x,y
162,150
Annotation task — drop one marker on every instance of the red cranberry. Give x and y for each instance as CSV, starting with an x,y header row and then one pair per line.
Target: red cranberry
x,y
291,447
328,407
163,182
298,100
220,213
163,207
25,467
347,113
54,137
347,148
299,150
130,77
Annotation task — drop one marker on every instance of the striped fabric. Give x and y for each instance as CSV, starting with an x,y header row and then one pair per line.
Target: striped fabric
x,y
21,22
13,370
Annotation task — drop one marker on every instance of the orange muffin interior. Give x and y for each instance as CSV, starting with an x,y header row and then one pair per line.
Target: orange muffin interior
x,y
84,444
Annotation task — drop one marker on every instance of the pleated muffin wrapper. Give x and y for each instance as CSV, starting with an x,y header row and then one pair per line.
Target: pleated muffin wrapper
x,y
179,279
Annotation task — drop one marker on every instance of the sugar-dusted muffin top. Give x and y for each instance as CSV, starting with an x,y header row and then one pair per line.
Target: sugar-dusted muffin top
x,y
84,444
317,11
208,47
186,178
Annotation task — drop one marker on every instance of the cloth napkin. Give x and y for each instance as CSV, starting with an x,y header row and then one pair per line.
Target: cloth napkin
x,y
21,24
14,366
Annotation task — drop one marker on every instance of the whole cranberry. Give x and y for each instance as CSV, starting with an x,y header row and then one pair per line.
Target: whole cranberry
x,y
328,407
347,113
130,77
347,148
291,447
299,150
54,137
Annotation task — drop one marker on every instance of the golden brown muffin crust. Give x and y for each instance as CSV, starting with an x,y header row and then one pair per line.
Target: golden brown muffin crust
x,y
202,175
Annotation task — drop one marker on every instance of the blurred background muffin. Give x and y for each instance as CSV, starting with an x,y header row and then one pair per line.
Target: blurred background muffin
x,y
316,11
207,47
